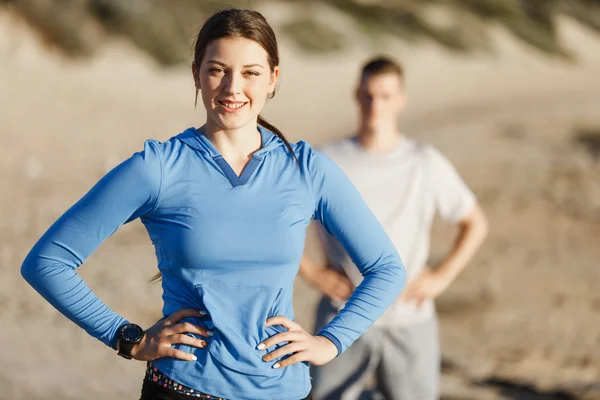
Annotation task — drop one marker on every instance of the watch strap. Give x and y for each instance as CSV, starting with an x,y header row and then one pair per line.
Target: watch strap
x,y
126,346
125,349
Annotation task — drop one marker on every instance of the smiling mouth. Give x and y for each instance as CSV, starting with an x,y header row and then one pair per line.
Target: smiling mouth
x,y
231,106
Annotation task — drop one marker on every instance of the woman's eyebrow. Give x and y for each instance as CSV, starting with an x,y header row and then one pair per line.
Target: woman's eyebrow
x,y
225,65
216,62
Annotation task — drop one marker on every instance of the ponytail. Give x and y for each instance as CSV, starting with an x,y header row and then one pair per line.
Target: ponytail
x,y
263,122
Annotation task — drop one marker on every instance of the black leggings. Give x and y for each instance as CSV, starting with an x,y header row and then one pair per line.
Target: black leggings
x,y
153,391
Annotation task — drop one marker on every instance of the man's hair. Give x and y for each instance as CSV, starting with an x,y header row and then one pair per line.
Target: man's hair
x,y
380,66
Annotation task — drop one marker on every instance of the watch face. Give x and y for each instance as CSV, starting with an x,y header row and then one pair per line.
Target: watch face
x,y
131,333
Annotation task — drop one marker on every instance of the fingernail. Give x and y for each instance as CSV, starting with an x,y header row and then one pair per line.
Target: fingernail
x,y
203,343
202,312
276,365
261,346
194,358
209,333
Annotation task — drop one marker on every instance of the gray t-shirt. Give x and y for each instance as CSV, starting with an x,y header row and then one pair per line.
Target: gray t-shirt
x,y
404,189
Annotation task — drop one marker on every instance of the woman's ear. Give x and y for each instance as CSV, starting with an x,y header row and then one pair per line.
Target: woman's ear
x,y
196,75
273,80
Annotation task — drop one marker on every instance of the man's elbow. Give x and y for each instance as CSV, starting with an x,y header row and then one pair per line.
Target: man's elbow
x,y
480,222
476,222
483,223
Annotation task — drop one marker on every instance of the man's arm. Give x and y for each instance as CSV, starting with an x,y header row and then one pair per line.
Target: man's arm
x,y
473,229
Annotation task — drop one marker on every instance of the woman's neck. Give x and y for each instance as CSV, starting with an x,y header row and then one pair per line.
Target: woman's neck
x,y
235,145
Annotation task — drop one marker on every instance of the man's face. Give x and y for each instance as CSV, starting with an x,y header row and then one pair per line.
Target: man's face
x,y
381,99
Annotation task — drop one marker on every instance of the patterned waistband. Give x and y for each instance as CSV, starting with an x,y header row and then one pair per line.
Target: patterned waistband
x,y
154,375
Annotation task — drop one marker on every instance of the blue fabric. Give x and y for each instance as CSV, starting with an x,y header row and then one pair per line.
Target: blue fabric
x,y
227,245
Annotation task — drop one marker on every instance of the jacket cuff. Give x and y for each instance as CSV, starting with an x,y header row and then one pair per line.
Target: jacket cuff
x,y
333,339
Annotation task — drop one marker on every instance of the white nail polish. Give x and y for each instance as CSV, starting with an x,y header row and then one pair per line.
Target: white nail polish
x,y
194,358
202,312
276,366
261,346
210,333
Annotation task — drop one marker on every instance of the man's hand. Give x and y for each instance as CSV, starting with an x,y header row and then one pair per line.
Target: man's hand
x,y
332,283
429,285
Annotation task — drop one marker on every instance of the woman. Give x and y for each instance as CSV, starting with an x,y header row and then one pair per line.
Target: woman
x,y
226,207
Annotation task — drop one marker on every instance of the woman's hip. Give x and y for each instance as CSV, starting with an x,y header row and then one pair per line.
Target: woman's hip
x,y
158,386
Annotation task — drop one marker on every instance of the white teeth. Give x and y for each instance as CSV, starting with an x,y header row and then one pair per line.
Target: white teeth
x,y
232,105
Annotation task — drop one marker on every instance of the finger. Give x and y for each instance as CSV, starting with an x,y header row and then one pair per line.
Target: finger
x,y
185,339
410,296
347,282
342,280
416,295
340,297
405,294
335,295
285,350
420,302
174,353
187,327
295,359
344,291
283,321
341,287
412,289
406,289
280,338
402,295
183,313
413,284
336,298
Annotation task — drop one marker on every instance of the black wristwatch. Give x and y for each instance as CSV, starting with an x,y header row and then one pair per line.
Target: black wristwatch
x,y
128,336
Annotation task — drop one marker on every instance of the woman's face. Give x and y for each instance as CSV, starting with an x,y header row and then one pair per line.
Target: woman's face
x,y
235,79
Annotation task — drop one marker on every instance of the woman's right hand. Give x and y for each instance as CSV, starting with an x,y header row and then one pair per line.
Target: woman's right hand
x,y
158,339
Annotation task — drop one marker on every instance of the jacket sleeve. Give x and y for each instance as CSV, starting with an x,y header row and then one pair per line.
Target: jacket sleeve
x,y
127,192
343,213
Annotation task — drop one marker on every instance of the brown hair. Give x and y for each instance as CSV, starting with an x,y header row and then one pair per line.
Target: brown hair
x,y
247,24
380,66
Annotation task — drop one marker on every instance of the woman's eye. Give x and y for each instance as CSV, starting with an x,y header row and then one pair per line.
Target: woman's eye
x,y
254,73
216,70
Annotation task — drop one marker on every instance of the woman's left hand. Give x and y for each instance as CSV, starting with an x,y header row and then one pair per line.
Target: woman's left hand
x,y
317,350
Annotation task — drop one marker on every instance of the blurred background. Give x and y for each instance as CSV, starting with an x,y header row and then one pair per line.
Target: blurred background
x,y
508,90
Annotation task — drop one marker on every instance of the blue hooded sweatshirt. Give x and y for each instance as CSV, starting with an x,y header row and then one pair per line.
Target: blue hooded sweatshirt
x,y
225,244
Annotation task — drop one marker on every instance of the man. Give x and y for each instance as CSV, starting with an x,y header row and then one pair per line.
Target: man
x,y
404,183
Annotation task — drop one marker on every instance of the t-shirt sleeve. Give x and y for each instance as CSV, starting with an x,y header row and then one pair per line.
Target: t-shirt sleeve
x,y
343,214
453,199
127,192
